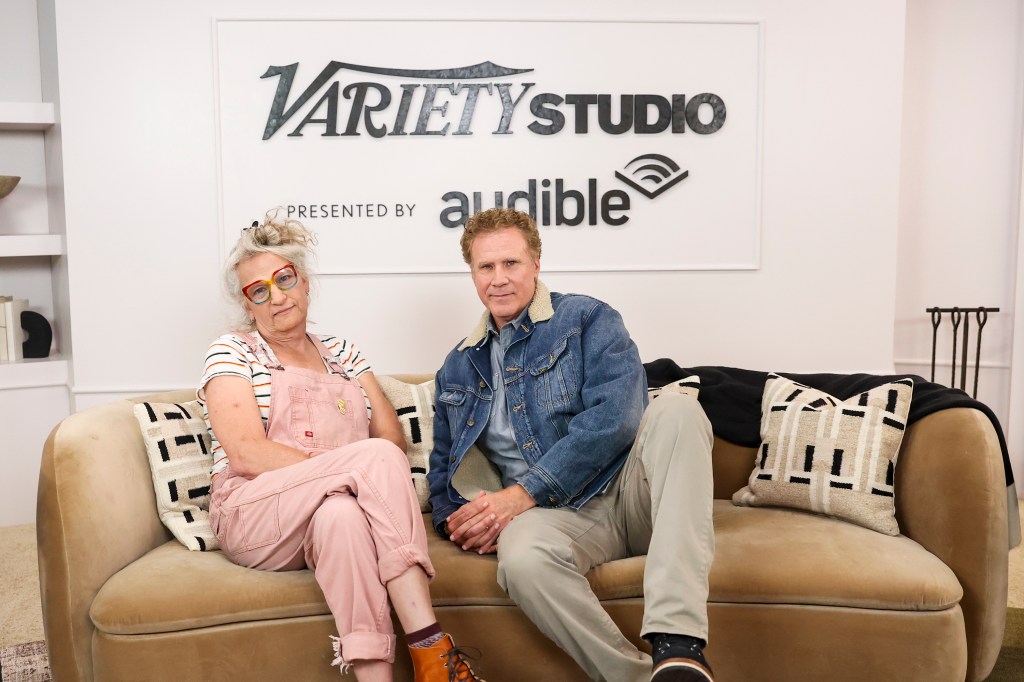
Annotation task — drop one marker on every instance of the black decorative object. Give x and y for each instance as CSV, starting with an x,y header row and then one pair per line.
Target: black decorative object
x,y
956,316
40,335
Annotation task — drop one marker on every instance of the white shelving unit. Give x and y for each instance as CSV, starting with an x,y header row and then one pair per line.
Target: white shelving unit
x,y
34,372
27,245
26,115
52,370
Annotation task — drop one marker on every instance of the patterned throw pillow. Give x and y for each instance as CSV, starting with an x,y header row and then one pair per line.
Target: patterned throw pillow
x,y
829,456
688,386
414,404
178,445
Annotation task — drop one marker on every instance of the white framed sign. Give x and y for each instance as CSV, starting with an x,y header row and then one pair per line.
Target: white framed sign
x,y
635,145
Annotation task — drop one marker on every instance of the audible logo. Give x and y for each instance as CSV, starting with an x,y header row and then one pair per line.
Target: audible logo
x,y
649,174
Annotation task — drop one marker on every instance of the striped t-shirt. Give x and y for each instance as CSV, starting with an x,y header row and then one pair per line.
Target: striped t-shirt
x,y
229,355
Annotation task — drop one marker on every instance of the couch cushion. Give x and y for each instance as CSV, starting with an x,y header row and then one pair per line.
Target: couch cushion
x,y
770,556
783,556
831,456
170,589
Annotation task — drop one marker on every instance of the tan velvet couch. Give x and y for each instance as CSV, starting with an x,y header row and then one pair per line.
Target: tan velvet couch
x,y
793,596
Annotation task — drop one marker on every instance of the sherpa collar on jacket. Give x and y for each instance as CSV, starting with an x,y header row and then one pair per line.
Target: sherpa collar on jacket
x,y
539,311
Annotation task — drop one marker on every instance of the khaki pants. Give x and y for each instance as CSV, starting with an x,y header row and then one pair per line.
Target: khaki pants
x,y
661,506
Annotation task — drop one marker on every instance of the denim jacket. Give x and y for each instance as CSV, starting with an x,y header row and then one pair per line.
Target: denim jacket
x,y
576,390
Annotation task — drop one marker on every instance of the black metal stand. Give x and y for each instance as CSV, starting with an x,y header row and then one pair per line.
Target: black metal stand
x,y
956,316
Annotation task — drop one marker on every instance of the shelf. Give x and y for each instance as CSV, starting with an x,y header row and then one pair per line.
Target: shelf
x,y
34,373
26,115
21,245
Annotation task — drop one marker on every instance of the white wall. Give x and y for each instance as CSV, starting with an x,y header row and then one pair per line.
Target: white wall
x,y
1016,419
27,415
1015,423
960,183
140,160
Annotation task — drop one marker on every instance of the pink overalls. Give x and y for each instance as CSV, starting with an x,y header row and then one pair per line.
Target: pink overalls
x,y
349,512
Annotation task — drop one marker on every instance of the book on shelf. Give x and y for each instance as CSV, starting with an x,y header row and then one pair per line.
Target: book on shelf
x,y
10,321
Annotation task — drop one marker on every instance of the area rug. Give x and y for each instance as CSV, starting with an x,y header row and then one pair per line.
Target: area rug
x,y
24,663
1009,667
28,663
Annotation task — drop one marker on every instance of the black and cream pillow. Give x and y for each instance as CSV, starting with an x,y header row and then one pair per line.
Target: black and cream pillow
x,y
414,404
688,386
828,456
178,445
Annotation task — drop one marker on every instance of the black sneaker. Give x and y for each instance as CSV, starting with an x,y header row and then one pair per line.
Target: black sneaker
x,y
679,658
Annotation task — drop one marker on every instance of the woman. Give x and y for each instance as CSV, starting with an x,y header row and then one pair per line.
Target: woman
x,y
309,464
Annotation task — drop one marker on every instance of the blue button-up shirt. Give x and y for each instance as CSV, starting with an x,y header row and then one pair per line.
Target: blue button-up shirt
x,y
497,441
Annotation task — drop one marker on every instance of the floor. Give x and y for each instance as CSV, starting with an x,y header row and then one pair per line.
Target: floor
x,y
21,611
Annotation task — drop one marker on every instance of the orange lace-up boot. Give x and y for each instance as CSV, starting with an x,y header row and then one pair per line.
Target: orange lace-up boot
x,y
442,662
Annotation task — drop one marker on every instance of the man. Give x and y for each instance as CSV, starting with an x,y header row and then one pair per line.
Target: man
x,y
551,389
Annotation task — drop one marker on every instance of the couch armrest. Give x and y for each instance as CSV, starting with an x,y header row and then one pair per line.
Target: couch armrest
x,y
951,499
96,513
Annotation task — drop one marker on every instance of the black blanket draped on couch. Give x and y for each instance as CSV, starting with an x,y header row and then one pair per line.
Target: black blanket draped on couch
x,y
732,400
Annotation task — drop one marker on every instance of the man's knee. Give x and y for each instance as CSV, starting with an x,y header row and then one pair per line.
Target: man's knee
x,y
674,404
524,557
675,410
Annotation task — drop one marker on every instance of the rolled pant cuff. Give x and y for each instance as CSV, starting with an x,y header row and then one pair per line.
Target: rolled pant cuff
x,y
368,646
399,560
